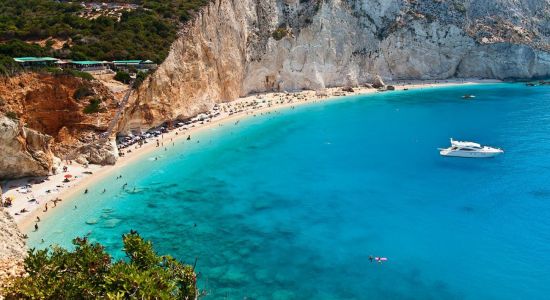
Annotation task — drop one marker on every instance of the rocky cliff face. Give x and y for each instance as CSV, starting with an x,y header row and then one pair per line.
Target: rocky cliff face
x,y
51,107
25,152
12,249
236,47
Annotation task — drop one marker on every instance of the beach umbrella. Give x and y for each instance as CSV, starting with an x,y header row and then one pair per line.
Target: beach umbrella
x,y
68,176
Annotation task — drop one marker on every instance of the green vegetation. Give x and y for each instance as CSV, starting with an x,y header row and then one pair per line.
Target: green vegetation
x,y
280,33
93,106
143,33
88,272
459,6
140,77
12,115
75,73
8,67
123,77
82,92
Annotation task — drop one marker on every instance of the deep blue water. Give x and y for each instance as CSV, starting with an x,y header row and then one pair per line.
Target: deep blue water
x,y
291,205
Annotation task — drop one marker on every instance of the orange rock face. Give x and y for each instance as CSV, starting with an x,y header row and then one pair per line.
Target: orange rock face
x,y
47,103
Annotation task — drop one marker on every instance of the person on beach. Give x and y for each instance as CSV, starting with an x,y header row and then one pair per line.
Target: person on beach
x,y
35,226
189,138
86,191
45,208
37,219
104,191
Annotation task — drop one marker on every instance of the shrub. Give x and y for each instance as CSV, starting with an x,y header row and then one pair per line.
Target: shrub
x,y
140,77
79,74
8,66
93,106
280,33
69,72
123,77
12,115
88,272
82,91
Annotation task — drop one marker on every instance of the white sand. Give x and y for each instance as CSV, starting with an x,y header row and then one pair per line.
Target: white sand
x,y
246,106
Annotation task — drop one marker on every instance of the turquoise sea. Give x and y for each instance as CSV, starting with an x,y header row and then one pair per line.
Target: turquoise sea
x,y
290,205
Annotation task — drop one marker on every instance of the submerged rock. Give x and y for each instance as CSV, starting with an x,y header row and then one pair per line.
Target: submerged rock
x,y
111,223
91,221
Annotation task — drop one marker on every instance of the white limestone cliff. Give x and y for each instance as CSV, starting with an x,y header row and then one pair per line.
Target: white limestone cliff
x,y
236,47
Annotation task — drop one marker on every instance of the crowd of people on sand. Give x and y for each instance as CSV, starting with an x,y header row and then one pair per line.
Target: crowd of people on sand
x,y
217,112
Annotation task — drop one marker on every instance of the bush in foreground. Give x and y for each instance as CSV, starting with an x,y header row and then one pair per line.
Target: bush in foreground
x,y
88,272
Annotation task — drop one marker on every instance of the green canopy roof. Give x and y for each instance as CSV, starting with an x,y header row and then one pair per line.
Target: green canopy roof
x,y
126,62
34,59
87,62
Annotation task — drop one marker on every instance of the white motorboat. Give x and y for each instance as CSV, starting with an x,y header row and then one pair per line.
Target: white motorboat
x,y
470,150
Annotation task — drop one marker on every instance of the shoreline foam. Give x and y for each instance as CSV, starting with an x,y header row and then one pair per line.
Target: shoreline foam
x,y
78,185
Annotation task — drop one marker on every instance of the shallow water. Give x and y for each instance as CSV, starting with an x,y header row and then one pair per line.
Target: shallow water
x,y
291,205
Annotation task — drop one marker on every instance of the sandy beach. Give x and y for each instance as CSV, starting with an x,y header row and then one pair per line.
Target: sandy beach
x,y
30,196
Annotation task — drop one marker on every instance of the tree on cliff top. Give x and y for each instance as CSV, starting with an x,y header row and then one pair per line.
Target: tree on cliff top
x,y
88,272
145,32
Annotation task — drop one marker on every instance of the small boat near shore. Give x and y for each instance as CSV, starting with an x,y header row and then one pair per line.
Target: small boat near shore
x,y
469,150
468,96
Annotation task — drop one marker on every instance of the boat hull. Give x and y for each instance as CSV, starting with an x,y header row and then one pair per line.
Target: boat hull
x,y
470,154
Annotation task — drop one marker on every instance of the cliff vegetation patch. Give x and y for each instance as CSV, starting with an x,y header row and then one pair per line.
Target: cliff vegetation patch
x,y
88,30
93,107
280,33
